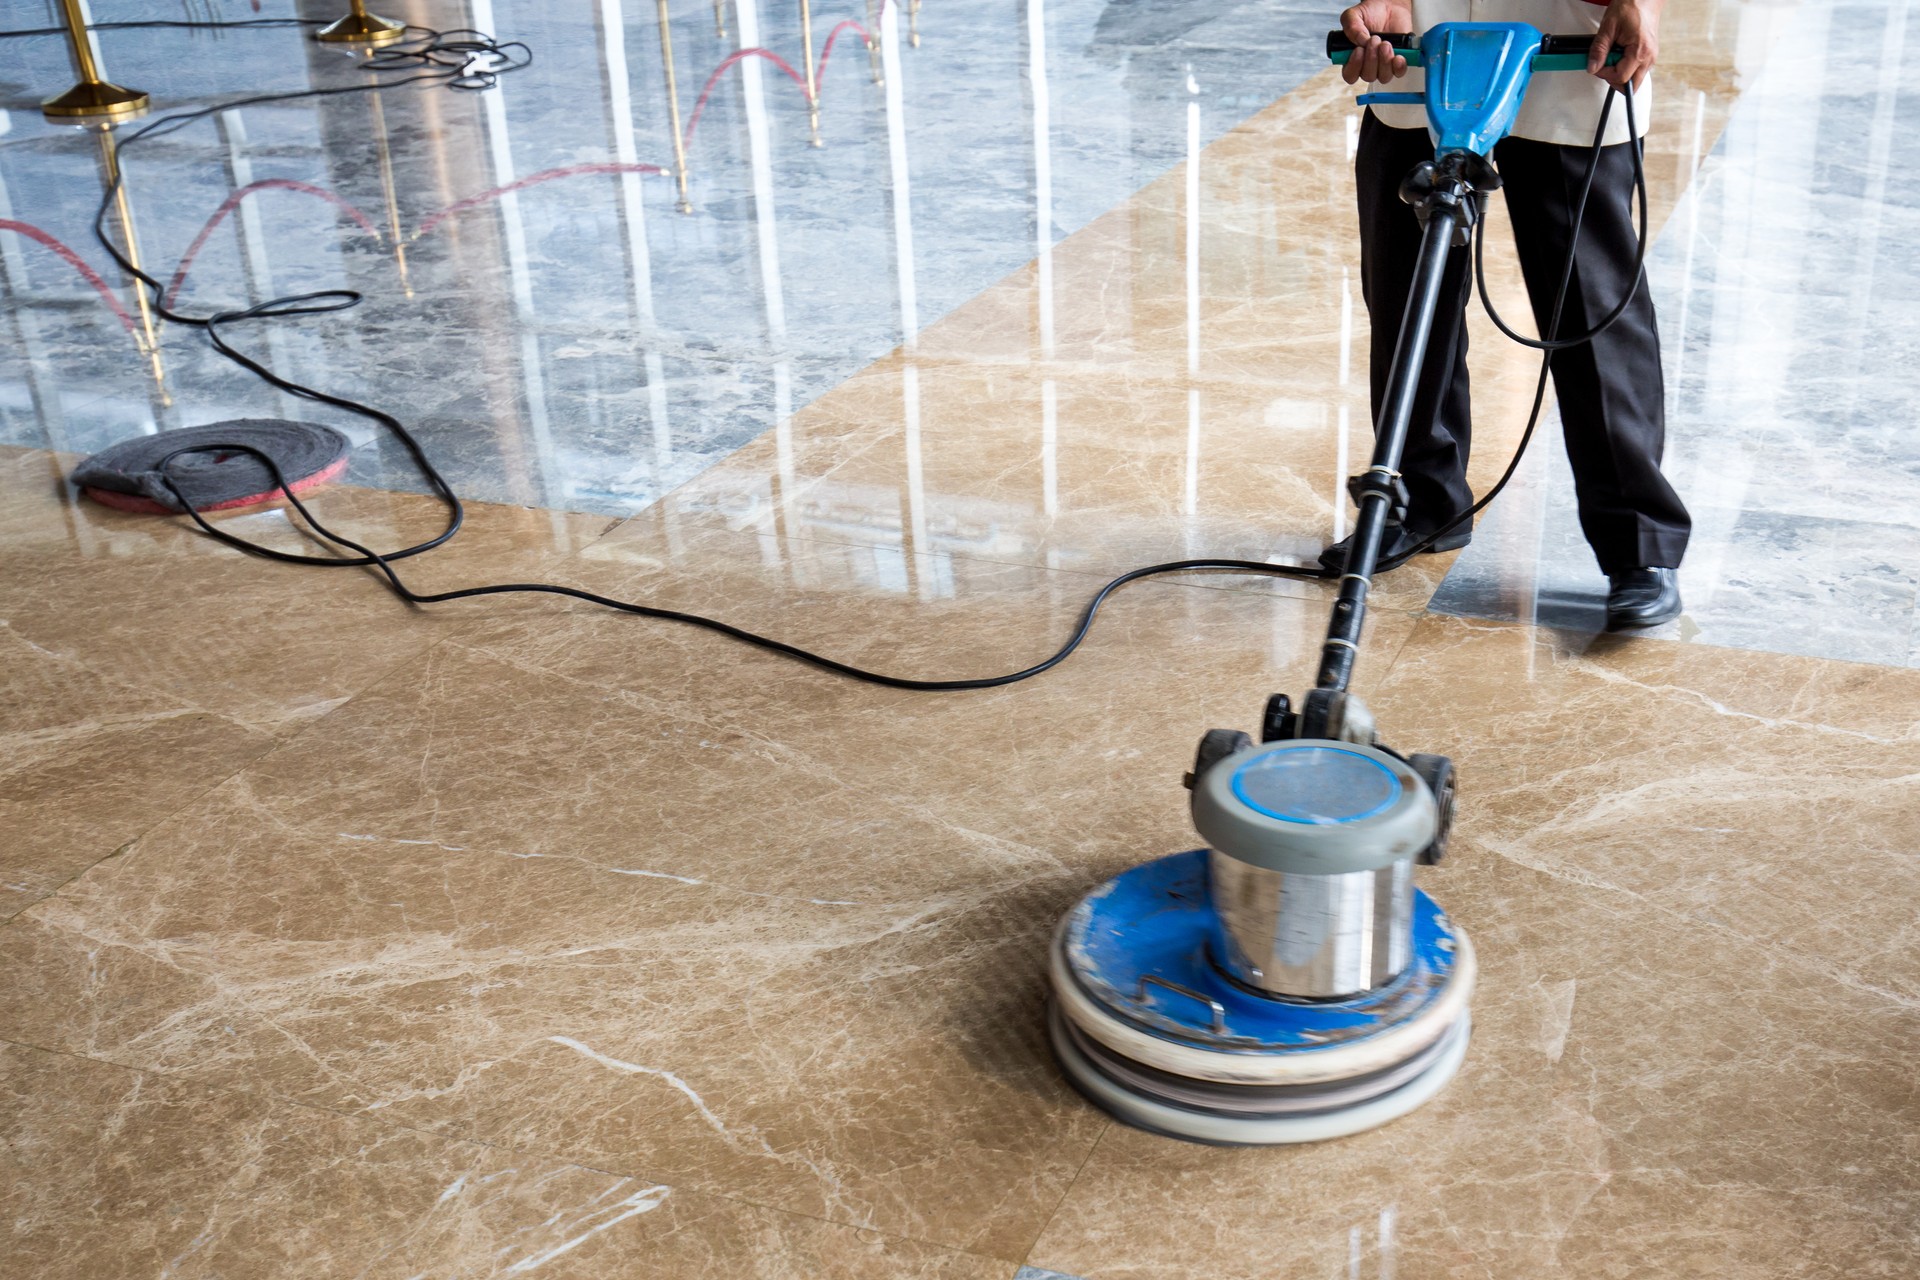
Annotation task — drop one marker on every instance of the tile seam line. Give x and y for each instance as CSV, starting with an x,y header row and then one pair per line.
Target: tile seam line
x,y
900,802
1093,1149
172,813
1803,961
272,745
273,1098
1476,620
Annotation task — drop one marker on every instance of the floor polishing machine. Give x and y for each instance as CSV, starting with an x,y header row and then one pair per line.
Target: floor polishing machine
x,y
1289,983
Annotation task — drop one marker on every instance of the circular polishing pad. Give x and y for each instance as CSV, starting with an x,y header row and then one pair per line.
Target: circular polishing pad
x,y
127,476
1131,968
1220,1119
1148,1027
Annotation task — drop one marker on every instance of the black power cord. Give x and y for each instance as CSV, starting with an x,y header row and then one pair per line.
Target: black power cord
x,y
454,59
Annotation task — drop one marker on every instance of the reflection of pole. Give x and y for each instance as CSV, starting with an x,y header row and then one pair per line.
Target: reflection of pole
x,y
813,79
913,23
1042,168
1193,293
251,240
673,111
1193,225
920,563
1346,411
93,98
633,210
110,170
720,18
361,27
753,99
875,8
43,391
387,189
900,174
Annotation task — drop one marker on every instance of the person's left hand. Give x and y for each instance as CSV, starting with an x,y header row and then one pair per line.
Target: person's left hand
x,y
1634,25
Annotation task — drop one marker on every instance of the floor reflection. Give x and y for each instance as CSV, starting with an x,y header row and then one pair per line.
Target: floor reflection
x,y
1782,281
538,308
1176,380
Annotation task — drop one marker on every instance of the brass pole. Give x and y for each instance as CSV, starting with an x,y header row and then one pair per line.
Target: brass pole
x,y
913,23
361,27
93,98
813,80
720,18
673,110
110,171
388,189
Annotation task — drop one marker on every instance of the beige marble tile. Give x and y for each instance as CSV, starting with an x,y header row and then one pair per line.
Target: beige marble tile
x,y
877,1063
507,889
1761,796
131,1173
87,764
611,894
1097,471
151,604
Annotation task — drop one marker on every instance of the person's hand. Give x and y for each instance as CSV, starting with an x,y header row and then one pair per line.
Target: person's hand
x,y
1634,25
1373,59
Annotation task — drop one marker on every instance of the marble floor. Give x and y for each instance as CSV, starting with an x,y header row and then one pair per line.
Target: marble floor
x,y
341,938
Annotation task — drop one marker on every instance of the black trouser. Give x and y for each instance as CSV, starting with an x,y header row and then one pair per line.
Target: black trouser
x,y
1610,390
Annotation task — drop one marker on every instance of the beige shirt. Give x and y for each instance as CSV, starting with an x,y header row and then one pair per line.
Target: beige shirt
x,y
1561,106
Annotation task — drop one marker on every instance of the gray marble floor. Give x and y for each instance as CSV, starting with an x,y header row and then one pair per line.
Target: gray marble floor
x,y
579,343
1785,286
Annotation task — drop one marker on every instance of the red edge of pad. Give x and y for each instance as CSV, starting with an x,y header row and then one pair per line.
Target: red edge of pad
x,y
148,507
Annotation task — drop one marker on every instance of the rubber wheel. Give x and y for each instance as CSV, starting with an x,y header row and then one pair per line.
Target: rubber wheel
x,y
1278,722
1437,773
1216,745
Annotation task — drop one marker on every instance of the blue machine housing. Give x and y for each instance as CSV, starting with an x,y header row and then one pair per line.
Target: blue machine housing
x,y
1139,946
1477,75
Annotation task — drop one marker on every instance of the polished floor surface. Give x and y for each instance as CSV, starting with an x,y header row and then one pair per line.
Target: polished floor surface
x,y
509,937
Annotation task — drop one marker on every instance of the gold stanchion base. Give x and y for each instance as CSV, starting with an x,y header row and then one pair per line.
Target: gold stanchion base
x,y
361,28
96,101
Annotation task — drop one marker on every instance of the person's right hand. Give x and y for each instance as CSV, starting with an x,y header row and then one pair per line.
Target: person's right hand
x,y
1373,59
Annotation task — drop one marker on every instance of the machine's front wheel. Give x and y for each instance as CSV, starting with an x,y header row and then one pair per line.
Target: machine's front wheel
x,y
1437,773
1216,746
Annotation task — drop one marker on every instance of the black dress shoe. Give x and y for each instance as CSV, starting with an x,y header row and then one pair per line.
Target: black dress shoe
x,y
1397,542
1642,598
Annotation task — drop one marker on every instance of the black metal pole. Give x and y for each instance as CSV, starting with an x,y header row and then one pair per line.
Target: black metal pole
x,y
1446,212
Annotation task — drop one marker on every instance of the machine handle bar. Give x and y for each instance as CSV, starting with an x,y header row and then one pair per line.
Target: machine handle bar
x,y
1557,53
